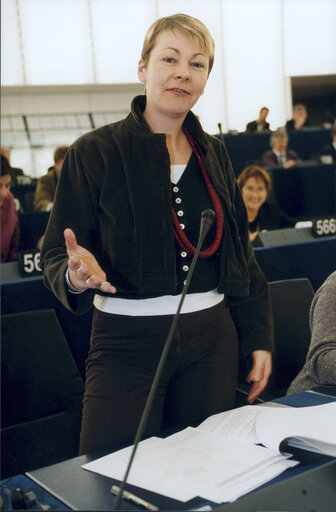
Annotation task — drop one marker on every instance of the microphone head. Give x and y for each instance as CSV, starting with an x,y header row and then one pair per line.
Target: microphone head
x,y
208,216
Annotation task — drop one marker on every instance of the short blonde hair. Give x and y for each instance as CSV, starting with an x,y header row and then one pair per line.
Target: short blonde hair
x,y
187,24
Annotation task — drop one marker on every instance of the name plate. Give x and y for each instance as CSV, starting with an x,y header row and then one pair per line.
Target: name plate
x,y
23,180
324,226
29,263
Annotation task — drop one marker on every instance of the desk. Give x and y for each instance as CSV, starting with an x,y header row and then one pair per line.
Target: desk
x,y
315,259
83,490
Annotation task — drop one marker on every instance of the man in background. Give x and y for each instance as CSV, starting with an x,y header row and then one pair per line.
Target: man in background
x,y
260,124
46,185
279,155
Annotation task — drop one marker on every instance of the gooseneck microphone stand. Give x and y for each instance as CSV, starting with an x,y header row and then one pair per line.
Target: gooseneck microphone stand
x,y
208,216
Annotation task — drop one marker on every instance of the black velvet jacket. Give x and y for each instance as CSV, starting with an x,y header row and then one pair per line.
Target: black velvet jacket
x,y
115,193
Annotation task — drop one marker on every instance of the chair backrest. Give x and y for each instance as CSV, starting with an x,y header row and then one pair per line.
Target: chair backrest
x,y
291,300
41,393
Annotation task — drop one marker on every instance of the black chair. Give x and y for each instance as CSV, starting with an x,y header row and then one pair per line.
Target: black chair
x,y
32,227
291,300
41,393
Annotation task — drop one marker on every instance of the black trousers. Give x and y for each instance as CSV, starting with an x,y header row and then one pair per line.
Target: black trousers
x,y
199,377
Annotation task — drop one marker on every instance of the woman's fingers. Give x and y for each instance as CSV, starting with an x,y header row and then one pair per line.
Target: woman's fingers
x,y
84,271
70,241
259,374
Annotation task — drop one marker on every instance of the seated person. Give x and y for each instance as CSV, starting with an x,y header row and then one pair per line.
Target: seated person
x,y
46,185
328,153
300,118
9,216
279,155
255,186
320,366
260,124
14,171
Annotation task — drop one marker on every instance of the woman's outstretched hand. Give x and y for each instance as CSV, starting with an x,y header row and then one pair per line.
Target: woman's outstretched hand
x,y
84,271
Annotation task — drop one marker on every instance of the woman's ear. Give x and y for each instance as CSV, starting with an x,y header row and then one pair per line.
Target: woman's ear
x,y
142,71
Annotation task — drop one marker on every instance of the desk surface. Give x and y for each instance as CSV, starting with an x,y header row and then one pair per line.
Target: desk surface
x,y
83,490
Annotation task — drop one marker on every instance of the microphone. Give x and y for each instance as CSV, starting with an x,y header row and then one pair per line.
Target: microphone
x,y
207,219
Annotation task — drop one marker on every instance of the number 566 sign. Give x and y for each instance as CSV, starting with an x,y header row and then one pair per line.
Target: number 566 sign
x,y
324,226
29,263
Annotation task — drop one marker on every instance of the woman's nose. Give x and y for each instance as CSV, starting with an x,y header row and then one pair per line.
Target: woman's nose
x,y
183,73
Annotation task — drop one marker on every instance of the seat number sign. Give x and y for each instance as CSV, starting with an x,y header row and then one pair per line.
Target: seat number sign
x,y
324,226
29,263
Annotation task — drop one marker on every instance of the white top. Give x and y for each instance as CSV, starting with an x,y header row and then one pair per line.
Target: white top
x,y
176,172
164,305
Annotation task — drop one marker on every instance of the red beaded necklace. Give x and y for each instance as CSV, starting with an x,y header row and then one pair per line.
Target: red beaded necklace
x,y
179,234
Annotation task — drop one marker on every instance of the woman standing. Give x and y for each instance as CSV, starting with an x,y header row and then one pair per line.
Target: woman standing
x,y
129,203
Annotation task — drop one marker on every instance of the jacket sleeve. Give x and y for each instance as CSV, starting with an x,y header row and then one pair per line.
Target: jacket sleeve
x,y
269,159
73,208
321,359
252,314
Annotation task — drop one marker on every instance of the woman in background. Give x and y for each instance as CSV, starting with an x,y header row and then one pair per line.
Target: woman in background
x,y
9,216
255,186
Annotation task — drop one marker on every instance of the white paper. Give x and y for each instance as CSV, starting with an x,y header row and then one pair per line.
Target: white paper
x,y
316,425
190,463
220,460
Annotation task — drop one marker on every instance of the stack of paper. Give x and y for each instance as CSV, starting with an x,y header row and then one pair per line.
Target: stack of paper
x,y
220,460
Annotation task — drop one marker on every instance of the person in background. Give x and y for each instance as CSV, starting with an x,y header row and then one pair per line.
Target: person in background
x,y
260,124
280,155
122,232
14,171
46,185
255,186
320,366
299,120
328,153
9,216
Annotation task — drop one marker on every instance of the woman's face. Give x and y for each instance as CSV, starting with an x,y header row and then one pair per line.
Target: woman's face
x,y
5,182
175,75
254,193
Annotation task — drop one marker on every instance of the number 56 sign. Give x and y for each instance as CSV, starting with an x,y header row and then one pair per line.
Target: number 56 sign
x,y
29,263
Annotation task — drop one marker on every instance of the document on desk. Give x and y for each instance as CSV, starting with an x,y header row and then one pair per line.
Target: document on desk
x,y
221,459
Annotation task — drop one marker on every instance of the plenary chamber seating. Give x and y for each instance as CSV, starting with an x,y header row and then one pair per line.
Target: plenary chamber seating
x,y
246,148
291,300
41,393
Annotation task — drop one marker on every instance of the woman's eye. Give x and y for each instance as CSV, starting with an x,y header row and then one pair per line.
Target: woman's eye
x,y
198,65
169,59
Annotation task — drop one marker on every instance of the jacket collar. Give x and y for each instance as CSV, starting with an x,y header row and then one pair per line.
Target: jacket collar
x,y
191,122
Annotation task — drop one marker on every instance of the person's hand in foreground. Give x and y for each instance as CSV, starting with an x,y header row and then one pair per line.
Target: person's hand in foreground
x,y
84,271
259,374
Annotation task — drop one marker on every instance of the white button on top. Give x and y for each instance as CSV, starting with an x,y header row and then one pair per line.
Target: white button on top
x,y
182,226
175,189
180,213
183,254
178,200
185,268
